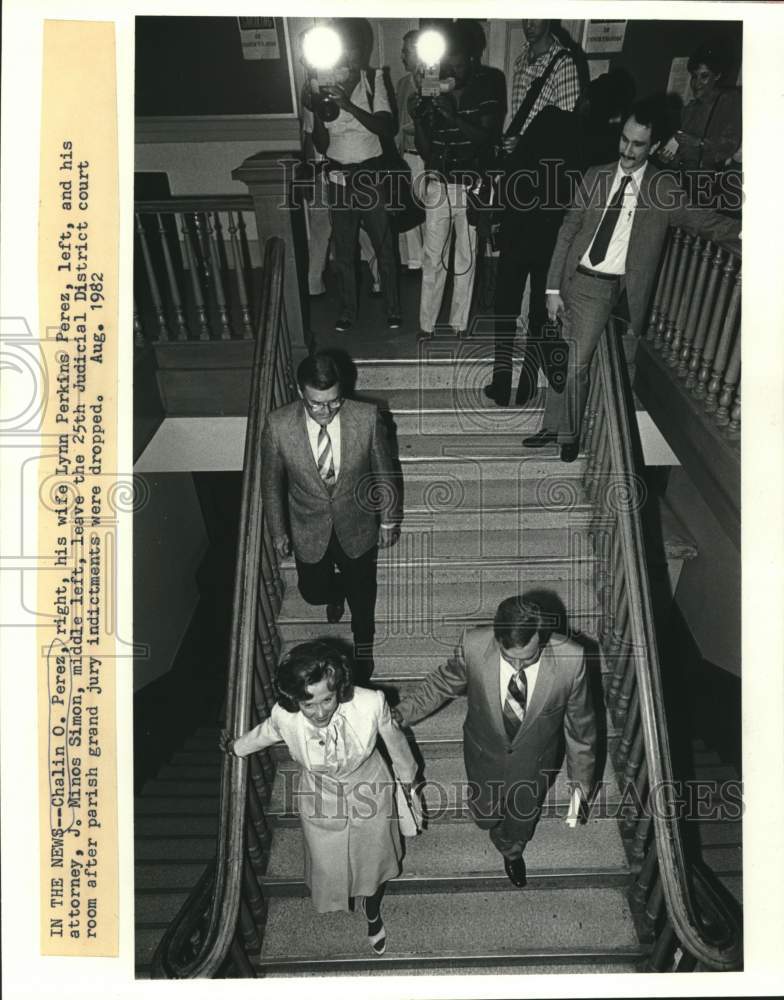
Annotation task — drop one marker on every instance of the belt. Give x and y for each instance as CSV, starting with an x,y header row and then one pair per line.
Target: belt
x,y
598,274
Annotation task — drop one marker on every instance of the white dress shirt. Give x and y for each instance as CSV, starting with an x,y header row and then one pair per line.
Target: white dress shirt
x,y
615,259
349,140
333,429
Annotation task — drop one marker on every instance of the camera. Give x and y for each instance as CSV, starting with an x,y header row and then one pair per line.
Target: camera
x,y
322,51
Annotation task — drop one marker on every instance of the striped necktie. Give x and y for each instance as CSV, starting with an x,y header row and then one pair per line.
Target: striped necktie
x,y
515,703
326,464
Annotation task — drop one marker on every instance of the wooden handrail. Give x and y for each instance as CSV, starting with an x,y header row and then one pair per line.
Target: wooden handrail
x,y
715,944
196,203
226,881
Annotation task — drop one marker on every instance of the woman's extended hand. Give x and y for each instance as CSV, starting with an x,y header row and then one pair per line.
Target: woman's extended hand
x,y
226,743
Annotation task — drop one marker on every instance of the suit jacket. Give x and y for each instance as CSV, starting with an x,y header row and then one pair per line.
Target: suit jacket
x,y
366,486
560,708
661,203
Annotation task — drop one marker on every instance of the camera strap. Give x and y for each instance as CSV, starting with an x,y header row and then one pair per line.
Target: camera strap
x,y
533,92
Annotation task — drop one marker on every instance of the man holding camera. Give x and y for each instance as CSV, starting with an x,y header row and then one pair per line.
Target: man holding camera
x,y
455,132
351,118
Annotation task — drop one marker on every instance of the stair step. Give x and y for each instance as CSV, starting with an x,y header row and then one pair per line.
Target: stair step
x,y
724,833
146,940
157,909
450,410
438,365
176,790
460,851
445,791
173,826
175,848
445,607
149,876
452,508
162,800
588,921
733,884
727,860
190,772
529,965
197,758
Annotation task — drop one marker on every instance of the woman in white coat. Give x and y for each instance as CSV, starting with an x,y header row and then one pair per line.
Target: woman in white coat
x,y
346,795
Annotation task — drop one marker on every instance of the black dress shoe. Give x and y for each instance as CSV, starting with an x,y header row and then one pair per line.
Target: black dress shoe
x,y
335,612
492,392
569,452
541,439
515,871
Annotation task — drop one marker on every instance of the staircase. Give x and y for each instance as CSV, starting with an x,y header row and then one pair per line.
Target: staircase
x,y
483,520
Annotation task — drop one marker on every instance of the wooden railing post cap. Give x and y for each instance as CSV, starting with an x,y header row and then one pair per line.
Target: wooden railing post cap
x,y
266,167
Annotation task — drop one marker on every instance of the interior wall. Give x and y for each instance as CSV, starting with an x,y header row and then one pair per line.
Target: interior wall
x,y
709,589
169,542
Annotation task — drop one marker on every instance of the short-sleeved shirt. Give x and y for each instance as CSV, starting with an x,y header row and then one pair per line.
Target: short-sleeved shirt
x,y
452,152
562,87
349,140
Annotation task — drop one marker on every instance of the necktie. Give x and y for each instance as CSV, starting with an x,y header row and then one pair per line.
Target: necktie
x,y
326,464
604,233
515,703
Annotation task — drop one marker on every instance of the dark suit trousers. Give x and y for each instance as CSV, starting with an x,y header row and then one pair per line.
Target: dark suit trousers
x,y
337,576
588,305
525,252
512,820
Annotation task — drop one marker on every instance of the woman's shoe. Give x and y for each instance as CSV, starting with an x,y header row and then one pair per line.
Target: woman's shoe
x,y
377,933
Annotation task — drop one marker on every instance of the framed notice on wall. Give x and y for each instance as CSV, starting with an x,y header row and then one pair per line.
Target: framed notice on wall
x,y
212,77
604,36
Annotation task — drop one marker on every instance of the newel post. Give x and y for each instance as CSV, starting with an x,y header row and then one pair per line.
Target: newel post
x,y
268,177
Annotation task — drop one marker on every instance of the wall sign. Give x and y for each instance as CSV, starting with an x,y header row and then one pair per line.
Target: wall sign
x,y
604,36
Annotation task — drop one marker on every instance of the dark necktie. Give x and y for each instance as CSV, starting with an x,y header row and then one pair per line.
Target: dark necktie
x,y
326,464
515,703
604,233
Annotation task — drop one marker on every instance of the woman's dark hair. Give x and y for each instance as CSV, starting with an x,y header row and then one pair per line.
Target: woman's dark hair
x,y
319,371
516,622
309,663
711,56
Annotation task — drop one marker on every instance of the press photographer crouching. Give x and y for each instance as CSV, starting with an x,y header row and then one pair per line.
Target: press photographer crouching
x,y
458,112
352,114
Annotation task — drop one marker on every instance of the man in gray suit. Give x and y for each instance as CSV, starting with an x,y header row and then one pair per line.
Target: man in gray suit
x,y
610,240
327,477
527,695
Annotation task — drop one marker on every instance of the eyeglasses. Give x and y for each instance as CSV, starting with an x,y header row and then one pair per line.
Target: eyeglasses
x,y
331,406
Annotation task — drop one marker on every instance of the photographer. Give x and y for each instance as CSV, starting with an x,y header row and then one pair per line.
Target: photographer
x,y
352,142
455,133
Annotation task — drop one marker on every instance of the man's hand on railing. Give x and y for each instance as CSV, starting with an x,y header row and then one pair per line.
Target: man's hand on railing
x,y
282,546
555,306
388,534
226,743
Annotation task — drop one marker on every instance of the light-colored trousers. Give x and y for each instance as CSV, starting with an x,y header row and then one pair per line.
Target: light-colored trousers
x,y
411,242
445,216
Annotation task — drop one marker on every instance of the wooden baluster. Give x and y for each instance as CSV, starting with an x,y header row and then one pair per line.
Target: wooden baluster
x,y
637,849
734,425
620,649
630,729
138,332
251,892
592,463
696,309
720,370
215,242
589,424
609,580
192,265
660,285
672,267
639,892
704,318
253,846
686,300
256,796
174,291
629,824
601,464
635,758
625,693
730,384
239,271
661,958
652,912
677,301
240,962
712,339
152,281
262,771
272,564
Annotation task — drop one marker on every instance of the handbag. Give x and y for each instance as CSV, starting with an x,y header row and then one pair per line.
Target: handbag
x,y
409,811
